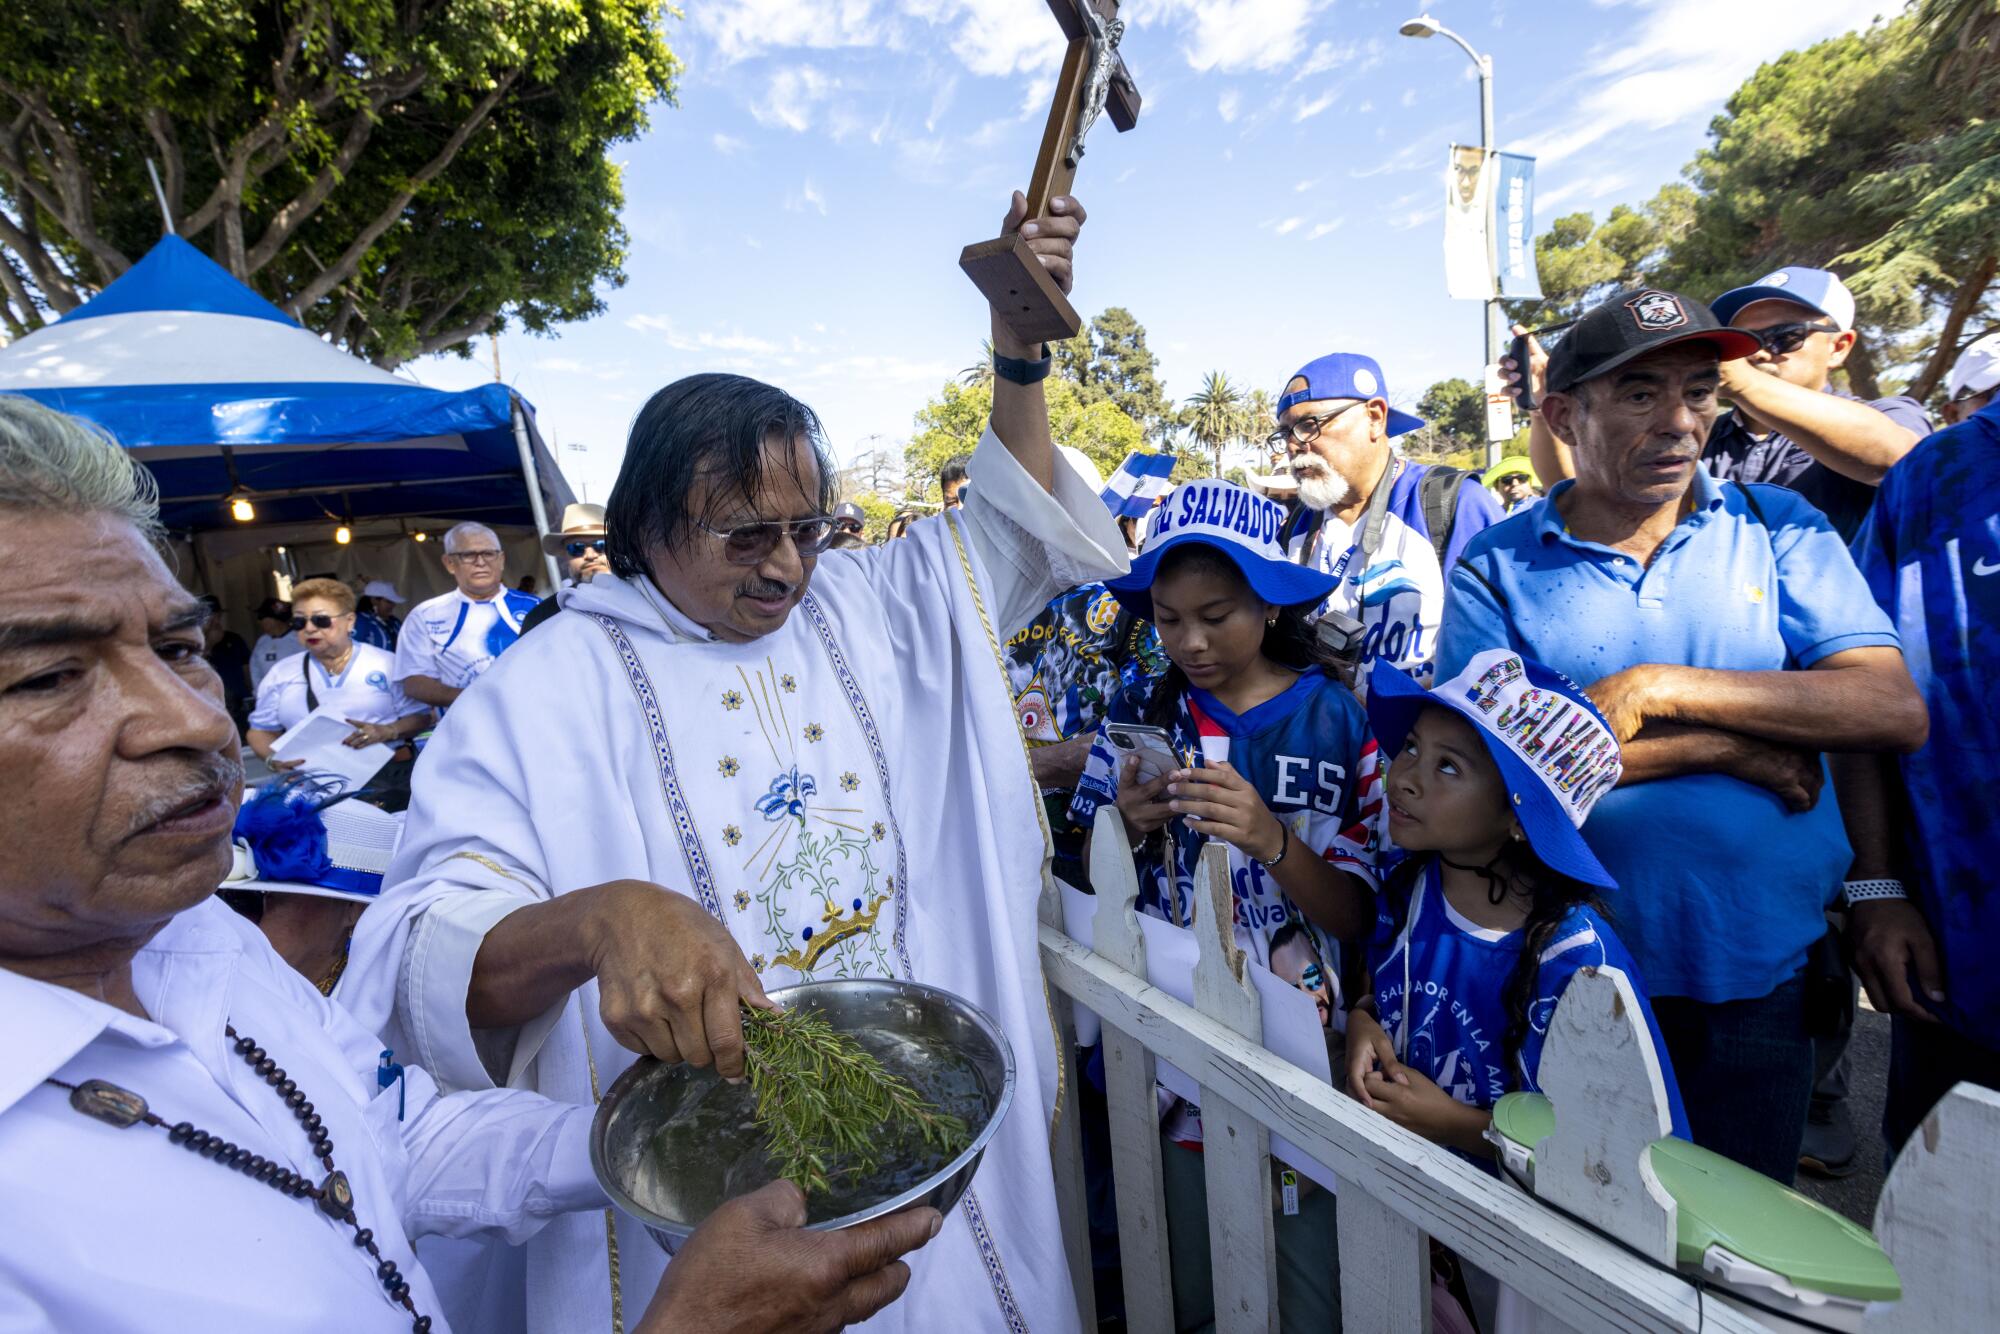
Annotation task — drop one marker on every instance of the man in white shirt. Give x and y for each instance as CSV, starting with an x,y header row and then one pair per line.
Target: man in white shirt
x,y
449,640
739,730
191,1137
275,640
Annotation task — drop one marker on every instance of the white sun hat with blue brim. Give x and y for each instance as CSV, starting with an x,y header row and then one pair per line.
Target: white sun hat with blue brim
x,y
1236,521
1344,375
1554,750
291,839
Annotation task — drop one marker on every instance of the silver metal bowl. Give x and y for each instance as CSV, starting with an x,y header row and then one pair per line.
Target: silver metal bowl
x,y
649,1094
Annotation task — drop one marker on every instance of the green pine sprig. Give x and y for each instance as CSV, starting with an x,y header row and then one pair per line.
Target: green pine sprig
x,y
828,1107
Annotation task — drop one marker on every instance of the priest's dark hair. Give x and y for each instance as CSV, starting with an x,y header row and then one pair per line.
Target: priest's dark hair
x,y
710,426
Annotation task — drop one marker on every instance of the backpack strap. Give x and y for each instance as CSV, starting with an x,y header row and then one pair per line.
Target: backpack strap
x,y
1438,493
305,666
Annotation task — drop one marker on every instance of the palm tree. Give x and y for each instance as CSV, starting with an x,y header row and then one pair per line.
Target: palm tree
x,y
1214,414
980,373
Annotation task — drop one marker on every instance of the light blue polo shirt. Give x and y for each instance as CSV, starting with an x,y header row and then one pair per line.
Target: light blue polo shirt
x,y
1720,886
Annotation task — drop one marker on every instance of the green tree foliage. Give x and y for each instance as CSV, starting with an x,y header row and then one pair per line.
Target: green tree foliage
x,y
952,423
1215,415
1875,154
395,175
1456,410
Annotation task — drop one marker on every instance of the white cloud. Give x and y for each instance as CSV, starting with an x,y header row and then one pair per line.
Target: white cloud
x,y
1409,98
571,366
1325,228
745,28
1667,68
808,197
1237,35
791,97
1228,105
1307,110
1584,190
1326,56
705,341
941,101
1000,39
727,144
1416,217
1366,106
1286,227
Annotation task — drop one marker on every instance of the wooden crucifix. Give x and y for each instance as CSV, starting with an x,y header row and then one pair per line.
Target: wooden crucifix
x,y
1093,80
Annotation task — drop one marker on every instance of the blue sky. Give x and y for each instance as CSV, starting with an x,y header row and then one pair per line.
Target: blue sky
x,y
798,215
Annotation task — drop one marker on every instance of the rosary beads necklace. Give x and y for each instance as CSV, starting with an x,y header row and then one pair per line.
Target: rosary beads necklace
x,y
122,1108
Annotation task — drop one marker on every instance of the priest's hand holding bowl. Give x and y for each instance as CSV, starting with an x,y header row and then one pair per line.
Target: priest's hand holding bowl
x,y
751,1268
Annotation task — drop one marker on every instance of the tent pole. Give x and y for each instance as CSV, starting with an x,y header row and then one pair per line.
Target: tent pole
x,y
534,482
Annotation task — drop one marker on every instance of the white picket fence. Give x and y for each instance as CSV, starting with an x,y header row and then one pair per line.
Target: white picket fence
x,y
1938,1219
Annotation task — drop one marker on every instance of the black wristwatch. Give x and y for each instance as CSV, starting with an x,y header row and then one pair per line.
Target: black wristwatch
x,y
1016,370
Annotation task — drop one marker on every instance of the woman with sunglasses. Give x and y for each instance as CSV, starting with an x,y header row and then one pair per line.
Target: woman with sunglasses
x,y
355,680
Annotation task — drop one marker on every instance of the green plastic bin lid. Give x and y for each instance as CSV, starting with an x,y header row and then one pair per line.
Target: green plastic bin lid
x,y
1723,1203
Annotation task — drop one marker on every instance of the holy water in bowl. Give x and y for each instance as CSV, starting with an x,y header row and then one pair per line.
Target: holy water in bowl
x,y
712,1149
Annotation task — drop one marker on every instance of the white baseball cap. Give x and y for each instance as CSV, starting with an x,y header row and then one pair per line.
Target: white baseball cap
x,y
1976,370
1815,289
382,588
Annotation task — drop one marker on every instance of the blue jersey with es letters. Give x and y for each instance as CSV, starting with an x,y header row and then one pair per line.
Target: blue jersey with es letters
x,y
1306,750
1458,972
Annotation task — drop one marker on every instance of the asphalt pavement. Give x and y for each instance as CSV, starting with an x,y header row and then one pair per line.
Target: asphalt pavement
x,y
1867,1082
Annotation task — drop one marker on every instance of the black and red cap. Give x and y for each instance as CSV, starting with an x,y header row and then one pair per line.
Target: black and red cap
x,y
1632,323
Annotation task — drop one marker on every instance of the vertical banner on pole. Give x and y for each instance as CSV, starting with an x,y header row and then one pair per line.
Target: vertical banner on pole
x,y
1514,219
1468,262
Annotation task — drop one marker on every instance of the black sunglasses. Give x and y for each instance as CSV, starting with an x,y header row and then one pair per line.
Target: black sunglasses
x,y
749,543
576,549
319,620
1782,339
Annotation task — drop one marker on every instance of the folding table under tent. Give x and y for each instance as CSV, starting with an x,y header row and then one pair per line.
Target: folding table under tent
x,y
221,394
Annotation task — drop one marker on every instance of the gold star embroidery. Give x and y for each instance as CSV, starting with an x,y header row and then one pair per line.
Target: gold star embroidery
x,y
814,731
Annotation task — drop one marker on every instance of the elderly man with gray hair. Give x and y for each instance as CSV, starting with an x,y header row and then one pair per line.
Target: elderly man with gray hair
x,y
448,641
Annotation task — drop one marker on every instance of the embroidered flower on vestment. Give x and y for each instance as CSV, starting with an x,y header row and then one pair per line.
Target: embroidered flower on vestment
x,y
879,831
757,963
814,731
731,835
849,782
742,900
787,684
729,767
787,796
732,700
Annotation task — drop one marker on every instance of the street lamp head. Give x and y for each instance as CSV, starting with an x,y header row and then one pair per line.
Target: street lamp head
x,y
1423,25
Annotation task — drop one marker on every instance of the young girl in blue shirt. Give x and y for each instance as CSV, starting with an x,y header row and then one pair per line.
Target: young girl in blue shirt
x,y
1494,908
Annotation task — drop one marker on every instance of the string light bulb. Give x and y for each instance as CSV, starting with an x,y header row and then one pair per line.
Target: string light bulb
x,y
240,508
420,536
343,535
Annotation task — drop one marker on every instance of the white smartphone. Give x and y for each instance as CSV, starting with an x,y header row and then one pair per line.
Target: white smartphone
x,y
1152,745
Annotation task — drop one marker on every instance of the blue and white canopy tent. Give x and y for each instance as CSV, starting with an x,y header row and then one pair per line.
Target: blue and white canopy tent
x,y
224,396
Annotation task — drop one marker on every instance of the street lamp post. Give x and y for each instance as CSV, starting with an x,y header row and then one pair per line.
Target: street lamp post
x,y
1423,25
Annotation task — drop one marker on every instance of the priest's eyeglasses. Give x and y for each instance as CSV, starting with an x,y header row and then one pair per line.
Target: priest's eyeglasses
x,y
1306,429
749,543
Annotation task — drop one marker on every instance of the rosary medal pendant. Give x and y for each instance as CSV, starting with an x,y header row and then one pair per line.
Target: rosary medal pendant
x,y
336,1197
108,1103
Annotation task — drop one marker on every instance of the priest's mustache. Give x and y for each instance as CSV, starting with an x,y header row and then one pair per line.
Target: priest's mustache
x,y
764,590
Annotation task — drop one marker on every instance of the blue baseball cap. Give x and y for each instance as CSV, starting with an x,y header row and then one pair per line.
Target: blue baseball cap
x,y
1236,521
1344,375
1815,289
1554,750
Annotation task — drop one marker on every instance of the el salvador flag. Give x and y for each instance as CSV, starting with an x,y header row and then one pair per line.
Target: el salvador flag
x,y
1140,481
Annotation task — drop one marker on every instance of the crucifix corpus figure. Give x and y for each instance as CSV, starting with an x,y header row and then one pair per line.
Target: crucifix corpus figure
x,y
1094,80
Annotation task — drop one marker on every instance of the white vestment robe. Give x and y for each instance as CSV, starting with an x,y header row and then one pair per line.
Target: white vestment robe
x,y
850,795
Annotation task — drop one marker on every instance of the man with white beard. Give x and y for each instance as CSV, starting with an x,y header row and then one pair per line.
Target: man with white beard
x,y
1386,528
805,764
